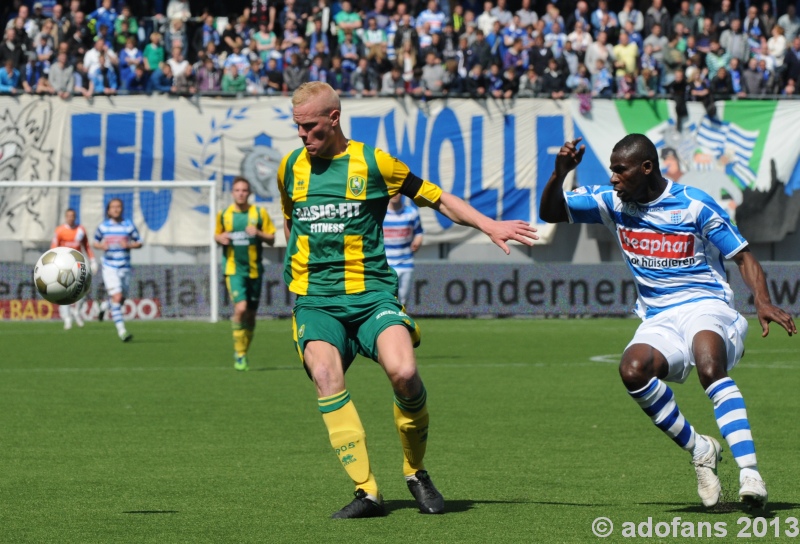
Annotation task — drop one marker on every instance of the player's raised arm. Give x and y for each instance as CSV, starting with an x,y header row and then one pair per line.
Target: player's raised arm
x,y
498,232
753,276
553,208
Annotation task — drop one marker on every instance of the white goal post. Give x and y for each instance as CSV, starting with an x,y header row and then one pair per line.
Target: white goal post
x,y
176,220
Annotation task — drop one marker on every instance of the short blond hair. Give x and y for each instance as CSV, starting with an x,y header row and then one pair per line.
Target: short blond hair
x,y
317,90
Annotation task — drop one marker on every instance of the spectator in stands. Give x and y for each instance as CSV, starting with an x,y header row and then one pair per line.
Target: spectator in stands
x,y
475,83
630,14
495,81
178,63
735,41
768,75
526,15
685,18
273,82
208,76
626,87
767,17
406,33
452,82
790,88
348,20
373,35
349,53
716,58
162,80
129,59
721,86
753,82
11,49
392,82
233,81
555,40
126,16
121,37
604,19
239,59
378,61
179,9
724,17
529,83
140,82
153,53
735,73
104,15
318,35
317,70
432,75
24,21
11,82
104,78
207,33
552,15
482,52
553,81
539,55
486,19
600,50
515,57
792,60
790,22
580,39
435,17
295,74
647,83
626,56
80,37
176,36
581,13
602,80
83,84
777,46
61,77
569,60
185,82
338,78
752,25
657,14
658,41
678,91
363,80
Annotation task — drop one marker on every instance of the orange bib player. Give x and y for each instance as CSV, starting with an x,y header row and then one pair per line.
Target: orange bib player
x,y
73,235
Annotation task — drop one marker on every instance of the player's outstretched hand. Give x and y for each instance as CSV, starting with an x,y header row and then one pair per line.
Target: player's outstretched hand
x,y
569,157
769,313
503,231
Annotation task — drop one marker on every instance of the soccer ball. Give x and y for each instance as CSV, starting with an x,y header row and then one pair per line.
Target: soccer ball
x,y
62,275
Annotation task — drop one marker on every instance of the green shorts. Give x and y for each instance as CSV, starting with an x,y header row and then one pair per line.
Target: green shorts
x,y
351,323
244,288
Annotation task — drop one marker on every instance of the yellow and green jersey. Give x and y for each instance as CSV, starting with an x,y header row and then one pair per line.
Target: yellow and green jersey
x,y
242,256
336,207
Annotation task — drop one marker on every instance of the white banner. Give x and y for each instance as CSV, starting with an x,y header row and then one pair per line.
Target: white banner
x,y
497,155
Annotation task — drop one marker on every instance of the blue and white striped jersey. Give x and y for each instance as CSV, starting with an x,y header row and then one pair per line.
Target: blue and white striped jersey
x,y
674,245
114,234
399,230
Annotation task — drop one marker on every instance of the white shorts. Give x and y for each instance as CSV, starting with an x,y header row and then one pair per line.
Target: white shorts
x,y
116,280
671,332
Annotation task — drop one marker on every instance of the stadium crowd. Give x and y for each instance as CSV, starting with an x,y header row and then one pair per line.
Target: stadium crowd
x,y
697,51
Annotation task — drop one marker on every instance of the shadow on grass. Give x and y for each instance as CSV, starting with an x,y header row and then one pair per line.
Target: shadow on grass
x,y
151,512
450,506
727,507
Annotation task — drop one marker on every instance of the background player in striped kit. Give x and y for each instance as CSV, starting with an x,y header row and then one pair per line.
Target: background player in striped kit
x,y
402,237
674,238
73,235
116,236
334,195
242,229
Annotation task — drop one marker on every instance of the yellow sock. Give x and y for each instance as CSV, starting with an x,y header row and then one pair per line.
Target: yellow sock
x,y
348,439
248,337
411,420
239,340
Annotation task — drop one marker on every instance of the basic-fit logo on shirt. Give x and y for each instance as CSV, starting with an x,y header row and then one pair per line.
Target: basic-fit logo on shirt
x,y
656,244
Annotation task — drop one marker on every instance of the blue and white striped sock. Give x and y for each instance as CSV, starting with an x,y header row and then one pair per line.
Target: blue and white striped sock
x,y
732,420
658,402
116,315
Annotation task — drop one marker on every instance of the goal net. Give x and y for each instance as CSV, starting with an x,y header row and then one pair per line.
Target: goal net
x,y
174,271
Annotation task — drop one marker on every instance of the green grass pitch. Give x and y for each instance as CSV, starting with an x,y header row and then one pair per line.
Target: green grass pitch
x,y
532,437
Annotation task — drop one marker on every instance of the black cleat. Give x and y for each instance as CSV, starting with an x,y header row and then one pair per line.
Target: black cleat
x,y
361,507
428,498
